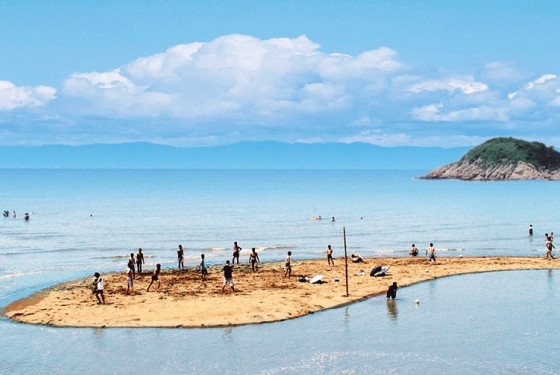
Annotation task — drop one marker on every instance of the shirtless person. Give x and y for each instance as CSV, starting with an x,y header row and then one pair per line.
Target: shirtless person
x,y
254,259
431,253
549,247
155,277
180,257
139,260
329,256
236,250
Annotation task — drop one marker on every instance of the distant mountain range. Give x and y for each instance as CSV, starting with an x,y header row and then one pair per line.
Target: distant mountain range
x,y
244,155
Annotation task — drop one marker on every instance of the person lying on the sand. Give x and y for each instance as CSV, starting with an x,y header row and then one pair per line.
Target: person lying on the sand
x,y
357,258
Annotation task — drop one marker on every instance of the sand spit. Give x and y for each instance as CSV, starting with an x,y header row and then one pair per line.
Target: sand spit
x,y
184,300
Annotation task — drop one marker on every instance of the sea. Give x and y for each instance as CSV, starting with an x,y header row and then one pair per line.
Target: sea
x,y
86,221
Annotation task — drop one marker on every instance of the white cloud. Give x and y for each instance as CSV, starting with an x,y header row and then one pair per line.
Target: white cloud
x,y
234,76
467,85
14,97
239,87
540,81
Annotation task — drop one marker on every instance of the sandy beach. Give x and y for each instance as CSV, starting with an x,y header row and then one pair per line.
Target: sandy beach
x,y
184,300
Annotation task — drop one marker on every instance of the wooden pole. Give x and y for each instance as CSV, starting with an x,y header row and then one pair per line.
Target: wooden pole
x,y
345,259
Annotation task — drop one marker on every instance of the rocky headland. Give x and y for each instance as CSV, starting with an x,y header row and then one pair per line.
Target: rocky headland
x,y
503,159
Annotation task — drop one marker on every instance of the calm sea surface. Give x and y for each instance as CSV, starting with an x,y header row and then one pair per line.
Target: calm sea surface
x,y
84,221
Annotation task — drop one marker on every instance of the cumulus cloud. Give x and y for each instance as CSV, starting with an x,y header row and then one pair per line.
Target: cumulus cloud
x,y
239,87
14,97
235,76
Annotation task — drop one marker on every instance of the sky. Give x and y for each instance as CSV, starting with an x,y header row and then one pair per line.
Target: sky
x,y
442,73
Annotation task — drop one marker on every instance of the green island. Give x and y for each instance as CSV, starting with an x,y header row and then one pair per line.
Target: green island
x,y
503,158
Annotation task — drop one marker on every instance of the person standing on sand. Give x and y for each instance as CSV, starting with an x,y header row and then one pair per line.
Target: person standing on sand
x,y
98,288
329,256
431,253
392,291
202,268
288,272
254,259
139,260
236,250
129,281
155,277
228,276
180,257
131,264
549,247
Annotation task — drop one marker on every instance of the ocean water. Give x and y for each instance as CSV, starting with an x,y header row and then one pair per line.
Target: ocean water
x,y
83,221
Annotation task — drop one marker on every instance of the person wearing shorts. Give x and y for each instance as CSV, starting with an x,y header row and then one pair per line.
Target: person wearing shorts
x,y
202,267
98,288
129,281
228,276
288,272
155,277
431,253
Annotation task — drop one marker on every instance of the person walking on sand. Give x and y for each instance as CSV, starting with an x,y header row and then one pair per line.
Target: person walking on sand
x,y
414,250
98,288
202,268
236,250
392,291
431,253
549,247
288,271
228,276
155,277
254,259
329,256
139,260
131,264
129,281
180,257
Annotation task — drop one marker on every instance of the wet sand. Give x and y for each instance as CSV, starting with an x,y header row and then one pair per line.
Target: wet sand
x,y
184,300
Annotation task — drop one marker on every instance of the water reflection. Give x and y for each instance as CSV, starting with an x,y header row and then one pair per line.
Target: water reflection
x,y
227,335
346,316
392,310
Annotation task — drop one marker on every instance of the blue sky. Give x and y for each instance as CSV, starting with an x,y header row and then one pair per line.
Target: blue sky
x,y
199,73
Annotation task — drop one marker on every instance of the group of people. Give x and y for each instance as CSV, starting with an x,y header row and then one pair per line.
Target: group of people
x,y
430,252
548,241
227,269
6,213
549,245
136,262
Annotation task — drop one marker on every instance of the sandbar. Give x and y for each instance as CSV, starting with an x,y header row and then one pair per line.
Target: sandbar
x,y
184,300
